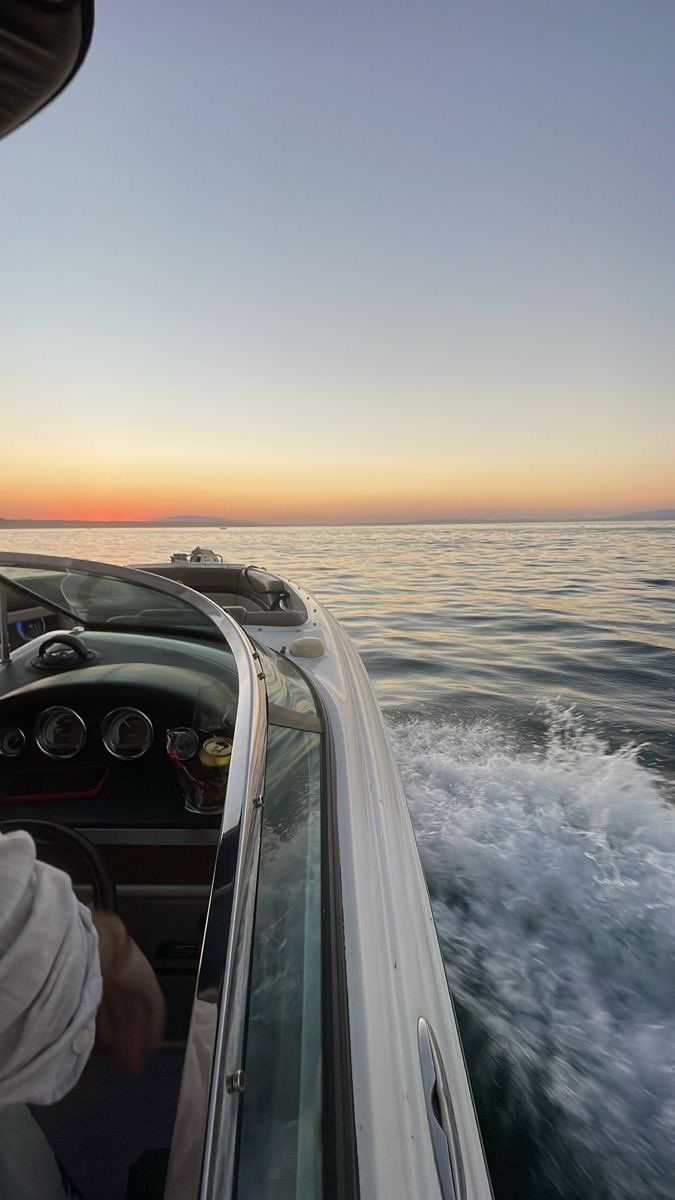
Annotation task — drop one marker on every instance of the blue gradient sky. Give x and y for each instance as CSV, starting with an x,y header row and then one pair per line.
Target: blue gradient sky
x,y
295,260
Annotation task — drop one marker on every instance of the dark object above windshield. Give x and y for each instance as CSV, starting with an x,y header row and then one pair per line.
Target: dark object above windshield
x,y
42,46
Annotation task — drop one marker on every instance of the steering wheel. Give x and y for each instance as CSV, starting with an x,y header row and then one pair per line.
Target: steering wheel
x,y
103,887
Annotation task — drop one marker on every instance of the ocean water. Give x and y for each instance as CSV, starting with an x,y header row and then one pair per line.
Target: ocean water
x,y
527,676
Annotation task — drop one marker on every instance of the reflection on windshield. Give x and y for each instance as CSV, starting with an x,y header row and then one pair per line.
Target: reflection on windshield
x,y
96,599
286,686
281,1146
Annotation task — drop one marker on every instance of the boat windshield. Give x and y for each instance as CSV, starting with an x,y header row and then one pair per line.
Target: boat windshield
x,y
101,596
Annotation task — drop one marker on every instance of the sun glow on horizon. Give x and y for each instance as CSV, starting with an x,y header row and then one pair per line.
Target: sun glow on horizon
x,y
335,492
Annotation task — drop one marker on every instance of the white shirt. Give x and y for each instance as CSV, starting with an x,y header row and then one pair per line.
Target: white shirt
x,y
50,978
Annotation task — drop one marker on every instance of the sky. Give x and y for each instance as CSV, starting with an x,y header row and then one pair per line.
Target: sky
x,y
291,260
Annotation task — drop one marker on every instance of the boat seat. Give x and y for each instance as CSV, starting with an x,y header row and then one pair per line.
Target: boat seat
x,y
227,600
254,614
277,616
235,587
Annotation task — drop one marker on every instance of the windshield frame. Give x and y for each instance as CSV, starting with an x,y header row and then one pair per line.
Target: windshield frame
x,y
132,575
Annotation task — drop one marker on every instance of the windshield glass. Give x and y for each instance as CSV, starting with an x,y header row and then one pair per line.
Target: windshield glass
x,y
98,596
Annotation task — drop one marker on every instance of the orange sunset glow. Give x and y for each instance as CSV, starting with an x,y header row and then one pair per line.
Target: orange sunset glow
x,y
335,492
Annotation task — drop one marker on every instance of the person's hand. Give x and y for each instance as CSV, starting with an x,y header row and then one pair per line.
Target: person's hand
x,y
132,1014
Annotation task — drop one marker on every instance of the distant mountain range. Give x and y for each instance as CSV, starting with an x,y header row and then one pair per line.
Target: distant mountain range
x,y
196,521
175,522
657,514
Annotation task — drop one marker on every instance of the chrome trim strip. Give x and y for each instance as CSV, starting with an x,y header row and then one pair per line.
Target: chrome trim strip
x,y
202,1152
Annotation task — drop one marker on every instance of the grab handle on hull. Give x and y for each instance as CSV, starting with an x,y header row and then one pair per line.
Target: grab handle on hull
x,y
442,1124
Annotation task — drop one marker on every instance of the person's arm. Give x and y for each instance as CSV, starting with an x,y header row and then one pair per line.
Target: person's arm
x,y
50,978
131,1019
60,988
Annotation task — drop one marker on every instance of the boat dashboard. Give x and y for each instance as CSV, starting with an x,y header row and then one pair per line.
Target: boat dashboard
x,y
86,725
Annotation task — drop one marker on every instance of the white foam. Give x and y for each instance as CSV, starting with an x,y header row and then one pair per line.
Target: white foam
x,y
552,873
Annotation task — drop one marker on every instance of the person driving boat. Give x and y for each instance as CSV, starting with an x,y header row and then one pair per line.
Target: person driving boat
x,y
70,979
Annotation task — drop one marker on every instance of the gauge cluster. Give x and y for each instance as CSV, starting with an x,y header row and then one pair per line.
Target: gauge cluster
x,y
33,624
61,733
108,727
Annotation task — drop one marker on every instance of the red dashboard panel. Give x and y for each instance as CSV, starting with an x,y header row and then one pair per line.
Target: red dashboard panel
x,y
55,783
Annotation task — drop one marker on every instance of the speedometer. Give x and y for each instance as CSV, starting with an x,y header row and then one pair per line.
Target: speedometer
x,y
60,732
127,733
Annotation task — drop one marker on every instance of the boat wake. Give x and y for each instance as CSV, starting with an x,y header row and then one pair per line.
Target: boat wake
x,y
552,876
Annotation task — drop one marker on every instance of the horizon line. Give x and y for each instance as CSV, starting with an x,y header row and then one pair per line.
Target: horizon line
x,y
203,521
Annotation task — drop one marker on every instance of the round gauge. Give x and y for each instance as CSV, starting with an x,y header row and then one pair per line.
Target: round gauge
x,y
60,732
127,733
34,627
182,743
12,742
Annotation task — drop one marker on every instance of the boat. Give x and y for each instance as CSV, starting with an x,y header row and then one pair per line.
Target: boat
x,y
198,743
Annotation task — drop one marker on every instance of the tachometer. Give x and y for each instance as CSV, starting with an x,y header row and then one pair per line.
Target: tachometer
x,y
127,733
60,732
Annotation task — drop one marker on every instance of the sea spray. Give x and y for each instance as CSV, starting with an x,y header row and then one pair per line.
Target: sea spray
x,y
552,877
